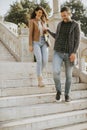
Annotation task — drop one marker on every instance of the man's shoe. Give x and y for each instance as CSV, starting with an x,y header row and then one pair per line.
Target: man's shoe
x,y
67,98
58,97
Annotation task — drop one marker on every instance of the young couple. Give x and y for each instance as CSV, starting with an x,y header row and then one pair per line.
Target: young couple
x,y
67,38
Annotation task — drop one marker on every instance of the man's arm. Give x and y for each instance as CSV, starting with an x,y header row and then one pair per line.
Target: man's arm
x,y
77,38
76,44
52,33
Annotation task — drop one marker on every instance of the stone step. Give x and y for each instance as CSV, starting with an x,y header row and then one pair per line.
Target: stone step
x,y
16,89
21,75
31,82
38,99
15,113
46,122
3,59
6,57
6,60
6,54
80,126
24,74
22,68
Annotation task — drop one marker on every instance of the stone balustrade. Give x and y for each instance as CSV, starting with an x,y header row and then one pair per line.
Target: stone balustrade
x,y
81,68
13,27
83,54
16,44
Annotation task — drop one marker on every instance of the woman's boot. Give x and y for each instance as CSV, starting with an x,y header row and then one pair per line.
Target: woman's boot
x,y
40,82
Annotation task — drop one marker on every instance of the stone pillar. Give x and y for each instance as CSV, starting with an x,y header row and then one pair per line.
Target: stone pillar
x,y
56,8
56,13
53,22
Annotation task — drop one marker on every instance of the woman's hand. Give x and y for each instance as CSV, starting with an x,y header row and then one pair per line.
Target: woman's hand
x,y
45,30
72,57
30,48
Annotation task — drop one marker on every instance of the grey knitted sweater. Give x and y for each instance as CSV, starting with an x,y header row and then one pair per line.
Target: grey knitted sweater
x,y
73,37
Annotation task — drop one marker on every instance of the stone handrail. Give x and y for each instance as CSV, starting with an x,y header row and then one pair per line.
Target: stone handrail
x,y
81,68
16,44
13,27
83,53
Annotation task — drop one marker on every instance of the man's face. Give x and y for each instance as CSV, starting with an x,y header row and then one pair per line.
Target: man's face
x,y
65,16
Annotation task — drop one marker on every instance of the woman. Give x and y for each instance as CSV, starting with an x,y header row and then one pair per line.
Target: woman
x,y
37,41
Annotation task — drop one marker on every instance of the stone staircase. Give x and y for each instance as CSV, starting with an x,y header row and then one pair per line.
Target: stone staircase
x,y
24,106
5,55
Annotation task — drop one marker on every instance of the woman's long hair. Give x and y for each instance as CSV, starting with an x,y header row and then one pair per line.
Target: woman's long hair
x,y
33,15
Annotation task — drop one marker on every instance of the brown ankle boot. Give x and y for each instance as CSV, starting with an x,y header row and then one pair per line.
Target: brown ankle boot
x,y
40,82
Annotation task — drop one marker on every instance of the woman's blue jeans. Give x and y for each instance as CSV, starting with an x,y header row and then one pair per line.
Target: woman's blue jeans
x,y
41,54
58,60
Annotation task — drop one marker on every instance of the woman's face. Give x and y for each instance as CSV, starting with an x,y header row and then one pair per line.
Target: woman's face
x,y
39,13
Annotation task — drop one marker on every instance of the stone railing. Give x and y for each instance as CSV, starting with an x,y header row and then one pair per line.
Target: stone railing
x,y
83,54
81,68
16,44
11,26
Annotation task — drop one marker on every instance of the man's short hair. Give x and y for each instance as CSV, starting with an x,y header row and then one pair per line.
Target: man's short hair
x,y
65,8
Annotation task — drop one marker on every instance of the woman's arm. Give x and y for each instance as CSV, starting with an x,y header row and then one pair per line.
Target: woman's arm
x,y
30,32
31,27
57,30
77,38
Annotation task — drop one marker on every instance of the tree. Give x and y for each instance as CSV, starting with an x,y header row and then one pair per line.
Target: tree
x,y
78,13
44,4
20,12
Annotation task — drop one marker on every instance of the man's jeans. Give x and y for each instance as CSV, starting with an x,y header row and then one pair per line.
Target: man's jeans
x,y
58,60
41,54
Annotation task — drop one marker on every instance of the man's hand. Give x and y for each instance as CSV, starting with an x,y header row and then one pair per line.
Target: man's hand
x,y
30,48
72,57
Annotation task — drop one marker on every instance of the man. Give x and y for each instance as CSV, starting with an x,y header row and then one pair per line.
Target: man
x,y
67,39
